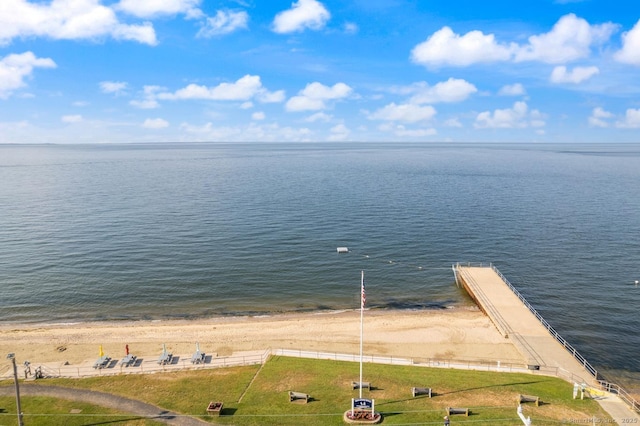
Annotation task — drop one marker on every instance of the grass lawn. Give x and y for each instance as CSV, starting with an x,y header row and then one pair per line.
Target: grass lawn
x,y
258,396
44,411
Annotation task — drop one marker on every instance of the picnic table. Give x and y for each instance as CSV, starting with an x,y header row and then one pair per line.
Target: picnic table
x,y
128,360
102,362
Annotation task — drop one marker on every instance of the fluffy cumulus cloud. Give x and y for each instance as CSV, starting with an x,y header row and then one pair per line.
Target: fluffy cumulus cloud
x,y
113,87
452,90
560,74
516,89
67,20
445,47
339,132
304,14
315,95
224,22
148,100
631,119
518,116
409,113
598,117
15,68
244,89
154,8
570,38
630,52
259,115
155,123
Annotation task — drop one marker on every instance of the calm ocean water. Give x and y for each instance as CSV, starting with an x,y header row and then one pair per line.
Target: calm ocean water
x,y
125,232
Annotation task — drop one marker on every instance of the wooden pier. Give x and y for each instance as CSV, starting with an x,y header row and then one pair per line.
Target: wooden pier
x,y
542,347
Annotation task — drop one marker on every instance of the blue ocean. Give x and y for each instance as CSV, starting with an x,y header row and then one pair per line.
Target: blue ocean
x,y
157,231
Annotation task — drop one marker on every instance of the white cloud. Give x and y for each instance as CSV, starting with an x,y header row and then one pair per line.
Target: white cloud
x,y
149,98
318,116
154,8
339,132
631,119
569,39
409,113
575,76
351,28
67,20
401,131
246,105
512,90
114,87
71,118
258,115
509,118
452,90
224,22
304,14
598,116
630,52
14,68
271,97
452,122
445,47
314,96
155,123
244,89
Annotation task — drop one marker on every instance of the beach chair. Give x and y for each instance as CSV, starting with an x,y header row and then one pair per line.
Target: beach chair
x,y
102,361
197,357
165,357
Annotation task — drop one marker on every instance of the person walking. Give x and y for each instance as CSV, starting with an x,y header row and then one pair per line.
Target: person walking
x,y
446,420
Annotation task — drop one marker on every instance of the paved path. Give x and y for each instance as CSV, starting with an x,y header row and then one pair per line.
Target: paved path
x,y
516,322
119,403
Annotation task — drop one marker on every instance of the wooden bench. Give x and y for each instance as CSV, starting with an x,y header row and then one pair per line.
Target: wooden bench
x,y
420,391
298,396
529,398
451,411
363,385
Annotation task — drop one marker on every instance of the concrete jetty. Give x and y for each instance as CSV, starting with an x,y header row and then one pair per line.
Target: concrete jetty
x,y
543,348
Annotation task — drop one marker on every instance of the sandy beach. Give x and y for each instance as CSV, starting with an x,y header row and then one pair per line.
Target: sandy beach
x,y
461,334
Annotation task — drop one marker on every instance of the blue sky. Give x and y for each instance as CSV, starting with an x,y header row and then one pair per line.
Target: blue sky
x,y
95,71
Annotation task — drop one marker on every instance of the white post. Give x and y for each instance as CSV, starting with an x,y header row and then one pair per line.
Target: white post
x,y
361,325
525,420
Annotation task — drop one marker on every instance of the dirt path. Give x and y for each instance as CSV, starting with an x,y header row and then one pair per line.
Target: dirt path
x,y
102,399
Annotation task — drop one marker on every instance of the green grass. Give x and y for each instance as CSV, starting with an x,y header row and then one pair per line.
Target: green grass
x,y
490,396
45,411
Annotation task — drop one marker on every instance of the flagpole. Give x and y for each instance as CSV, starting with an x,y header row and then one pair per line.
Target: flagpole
x,y
362,296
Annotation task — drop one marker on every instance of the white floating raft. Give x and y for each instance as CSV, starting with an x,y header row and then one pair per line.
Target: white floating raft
x,y
343,250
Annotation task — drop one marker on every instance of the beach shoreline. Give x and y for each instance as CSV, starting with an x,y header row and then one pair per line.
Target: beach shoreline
x,y
457,333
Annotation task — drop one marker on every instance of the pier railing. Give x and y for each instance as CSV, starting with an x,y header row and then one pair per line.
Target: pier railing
x,y
604,385
548,326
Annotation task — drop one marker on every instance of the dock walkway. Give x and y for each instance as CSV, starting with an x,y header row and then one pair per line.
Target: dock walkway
x,y
536,340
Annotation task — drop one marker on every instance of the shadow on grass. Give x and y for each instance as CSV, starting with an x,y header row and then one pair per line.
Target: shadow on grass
x,y
491,386
115,422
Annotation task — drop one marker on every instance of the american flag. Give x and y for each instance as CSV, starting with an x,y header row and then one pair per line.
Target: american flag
x,y
363,297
